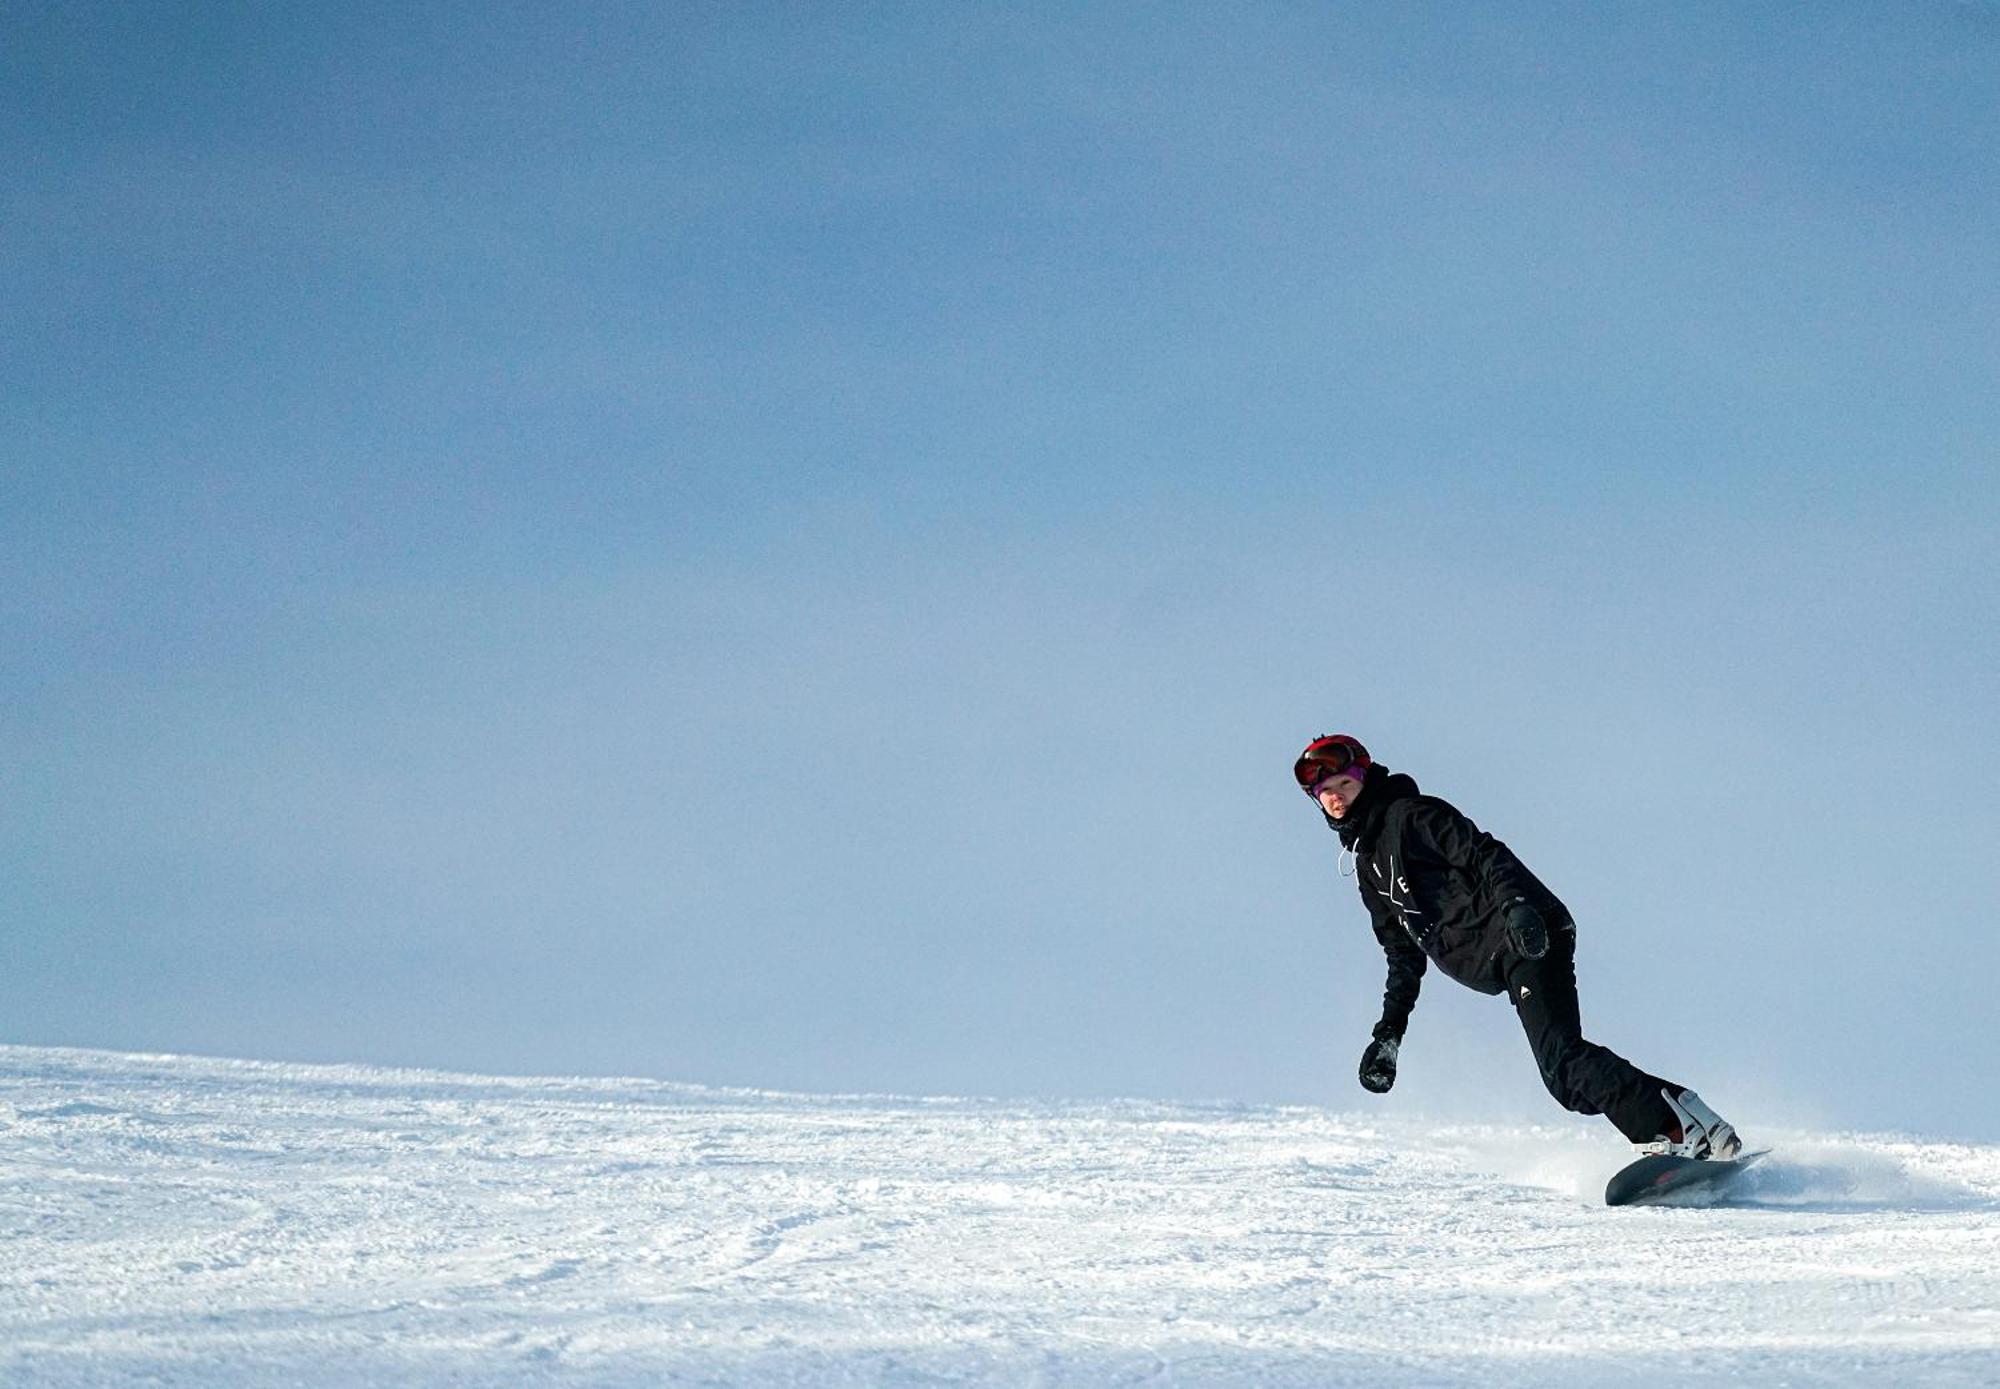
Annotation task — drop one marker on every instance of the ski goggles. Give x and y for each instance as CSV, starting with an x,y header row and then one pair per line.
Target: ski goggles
x,y
1328,758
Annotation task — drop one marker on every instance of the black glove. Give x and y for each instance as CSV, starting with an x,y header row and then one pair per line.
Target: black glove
x,y
1526,931
1378,1064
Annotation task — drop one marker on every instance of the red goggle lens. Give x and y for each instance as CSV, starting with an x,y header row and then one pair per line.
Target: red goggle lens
x,y
1322,762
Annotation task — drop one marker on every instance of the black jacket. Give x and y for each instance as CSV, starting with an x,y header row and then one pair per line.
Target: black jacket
x,y
1436,887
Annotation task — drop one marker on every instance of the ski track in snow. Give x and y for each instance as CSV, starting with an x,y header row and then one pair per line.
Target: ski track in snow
x,y
183,1221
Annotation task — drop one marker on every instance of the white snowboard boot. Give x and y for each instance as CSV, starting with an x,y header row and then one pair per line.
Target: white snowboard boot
x,y
1703,1132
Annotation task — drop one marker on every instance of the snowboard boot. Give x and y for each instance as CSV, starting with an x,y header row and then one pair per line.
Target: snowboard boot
x,y
1698,1131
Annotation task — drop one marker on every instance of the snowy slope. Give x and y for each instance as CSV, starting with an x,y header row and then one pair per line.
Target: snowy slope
x,y
184,1221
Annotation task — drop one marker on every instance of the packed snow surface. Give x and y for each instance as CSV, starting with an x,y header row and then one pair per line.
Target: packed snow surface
x,y
171,1220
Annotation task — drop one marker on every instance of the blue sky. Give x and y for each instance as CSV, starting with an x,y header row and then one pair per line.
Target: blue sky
x,y
794,546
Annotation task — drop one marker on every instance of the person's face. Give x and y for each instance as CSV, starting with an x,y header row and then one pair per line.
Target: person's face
x,y
1336,796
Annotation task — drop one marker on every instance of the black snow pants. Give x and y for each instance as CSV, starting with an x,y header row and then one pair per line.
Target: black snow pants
x,y
1583,1076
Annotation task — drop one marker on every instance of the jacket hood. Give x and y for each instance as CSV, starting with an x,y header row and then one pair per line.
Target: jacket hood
x,y
1379,790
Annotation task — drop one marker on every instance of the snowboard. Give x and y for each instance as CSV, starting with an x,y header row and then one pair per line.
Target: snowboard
x,y
1658,1178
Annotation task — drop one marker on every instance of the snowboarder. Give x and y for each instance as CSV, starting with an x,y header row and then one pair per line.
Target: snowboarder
x,y
1439,889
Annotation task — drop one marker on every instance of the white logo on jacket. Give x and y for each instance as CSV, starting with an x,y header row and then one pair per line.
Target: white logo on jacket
x,y
1397,884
